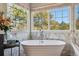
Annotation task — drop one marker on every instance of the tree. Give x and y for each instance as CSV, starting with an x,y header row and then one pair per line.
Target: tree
x,y
64,26
77,23
54,25
19,12
43,17
20,16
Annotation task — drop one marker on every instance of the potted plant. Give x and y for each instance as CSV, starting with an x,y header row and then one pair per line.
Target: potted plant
x,y
5,24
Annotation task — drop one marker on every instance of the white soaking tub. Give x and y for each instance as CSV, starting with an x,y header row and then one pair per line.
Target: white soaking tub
x,y
43,47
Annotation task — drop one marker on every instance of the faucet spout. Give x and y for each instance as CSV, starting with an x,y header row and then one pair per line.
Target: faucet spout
x,y
41,34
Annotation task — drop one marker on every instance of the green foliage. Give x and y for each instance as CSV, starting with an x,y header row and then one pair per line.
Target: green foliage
x,y
77,21
54,25
64,26
44,20
19,16
77,24
19,12
59,26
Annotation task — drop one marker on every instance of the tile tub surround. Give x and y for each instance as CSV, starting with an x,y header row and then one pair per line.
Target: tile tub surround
x,y
67,51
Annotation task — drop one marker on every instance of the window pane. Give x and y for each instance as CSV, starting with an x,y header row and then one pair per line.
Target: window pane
x,y
36,24
40,20
66,20
19,17
60,21
58,12
65,12
54,24
77,17
64,25
52,13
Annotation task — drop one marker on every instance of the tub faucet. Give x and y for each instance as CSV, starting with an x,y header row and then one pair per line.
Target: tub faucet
x,y
41,34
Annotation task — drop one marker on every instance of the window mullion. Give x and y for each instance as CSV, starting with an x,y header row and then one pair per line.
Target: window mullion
x,y
48,21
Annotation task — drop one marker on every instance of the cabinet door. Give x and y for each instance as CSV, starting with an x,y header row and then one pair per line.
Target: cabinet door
x,y
1,45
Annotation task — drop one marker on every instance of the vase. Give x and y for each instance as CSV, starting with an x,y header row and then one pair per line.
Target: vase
x,y
5,37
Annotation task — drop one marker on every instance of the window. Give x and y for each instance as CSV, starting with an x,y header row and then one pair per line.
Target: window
x,y
77,16
40,20
59,18
19,16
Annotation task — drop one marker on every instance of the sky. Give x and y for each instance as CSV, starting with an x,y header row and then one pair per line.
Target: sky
x,y
60,14
77,12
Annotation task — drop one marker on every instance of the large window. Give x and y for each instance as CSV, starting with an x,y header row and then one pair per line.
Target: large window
x,y
54,19
59,18
19,16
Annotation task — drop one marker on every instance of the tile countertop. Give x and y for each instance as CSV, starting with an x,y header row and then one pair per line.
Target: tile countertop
x,y
2,32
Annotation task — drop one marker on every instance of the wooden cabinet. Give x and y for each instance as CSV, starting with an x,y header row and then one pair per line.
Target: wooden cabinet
x,y
1,44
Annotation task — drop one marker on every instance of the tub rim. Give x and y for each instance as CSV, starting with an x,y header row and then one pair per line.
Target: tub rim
x,y
63,43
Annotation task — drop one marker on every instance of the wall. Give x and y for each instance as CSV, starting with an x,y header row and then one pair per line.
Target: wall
x,y
3,7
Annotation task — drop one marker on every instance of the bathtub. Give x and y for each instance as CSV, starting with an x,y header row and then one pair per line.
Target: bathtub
x,y
43,47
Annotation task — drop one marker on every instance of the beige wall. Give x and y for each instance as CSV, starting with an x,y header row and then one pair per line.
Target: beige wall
x,y
3,7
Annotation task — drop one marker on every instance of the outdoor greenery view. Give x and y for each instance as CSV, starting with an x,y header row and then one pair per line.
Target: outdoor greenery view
x,y
19,17
41,20
58,26
77,17
57,18
53,19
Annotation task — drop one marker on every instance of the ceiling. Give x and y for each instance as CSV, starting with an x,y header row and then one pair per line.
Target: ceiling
x,y
40,6
35,5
